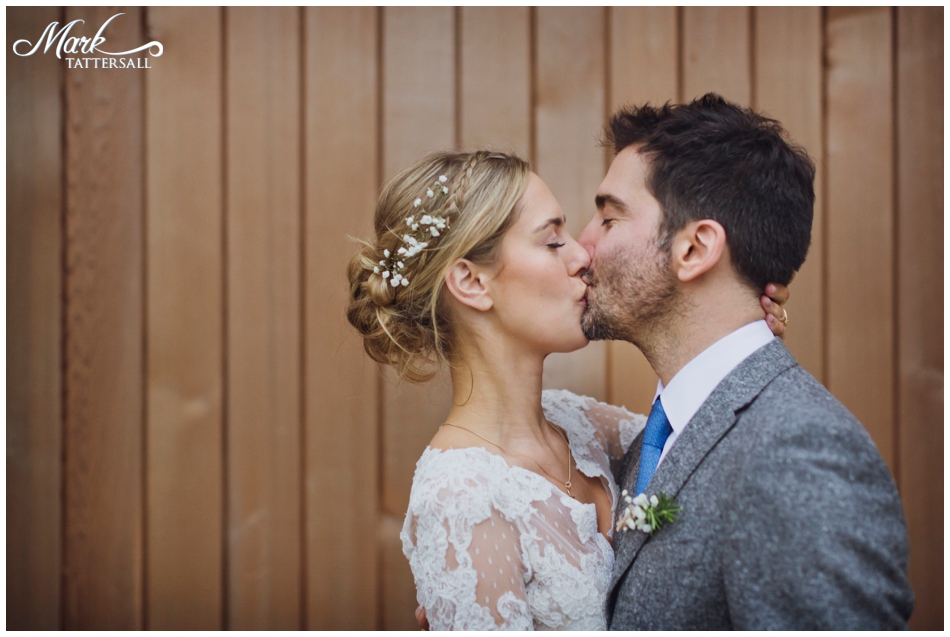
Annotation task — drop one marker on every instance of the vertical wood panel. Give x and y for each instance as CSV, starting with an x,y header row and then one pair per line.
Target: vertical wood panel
x,y
341,405
861,219
185,321
495,77
571,85
104,336
263,318
419,115
920,301
34,314
788,66
644,58
716,53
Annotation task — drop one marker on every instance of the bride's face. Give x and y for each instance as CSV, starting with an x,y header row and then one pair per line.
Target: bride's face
x,y
537,292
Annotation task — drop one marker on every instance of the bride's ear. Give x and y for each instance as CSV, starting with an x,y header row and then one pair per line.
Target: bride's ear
x,y
466,281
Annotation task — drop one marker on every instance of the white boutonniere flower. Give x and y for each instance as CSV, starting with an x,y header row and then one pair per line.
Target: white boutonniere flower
x,y
647,514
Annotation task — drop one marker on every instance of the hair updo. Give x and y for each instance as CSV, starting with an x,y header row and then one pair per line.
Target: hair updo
x,y
408,326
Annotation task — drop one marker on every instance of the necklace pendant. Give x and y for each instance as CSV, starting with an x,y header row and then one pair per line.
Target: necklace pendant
x,y
567,485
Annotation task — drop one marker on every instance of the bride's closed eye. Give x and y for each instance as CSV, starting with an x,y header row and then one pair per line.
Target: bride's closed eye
x,y
555,245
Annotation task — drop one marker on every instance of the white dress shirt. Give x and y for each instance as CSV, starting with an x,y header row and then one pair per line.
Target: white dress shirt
x,y
693,384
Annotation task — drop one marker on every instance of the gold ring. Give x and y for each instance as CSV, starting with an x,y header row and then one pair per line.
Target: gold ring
x,y
784,319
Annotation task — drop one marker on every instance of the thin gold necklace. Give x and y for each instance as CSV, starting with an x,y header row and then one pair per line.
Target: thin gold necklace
x,y
567,485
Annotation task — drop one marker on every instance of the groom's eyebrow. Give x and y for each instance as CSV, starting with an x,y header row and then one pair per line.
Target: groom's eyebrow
x,y
555,221
602,200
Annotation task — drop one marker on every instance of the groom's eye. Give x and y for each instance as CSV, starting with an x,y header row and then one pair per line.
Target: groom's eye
x,y
607,222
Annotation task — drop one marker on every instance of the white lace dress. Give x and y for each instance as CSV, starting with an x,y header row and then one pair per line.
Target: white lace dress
x,y
494,546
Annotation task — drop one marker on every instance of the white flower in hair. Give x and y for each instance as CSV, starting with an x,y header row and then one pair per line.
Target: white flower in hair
x,y
393,266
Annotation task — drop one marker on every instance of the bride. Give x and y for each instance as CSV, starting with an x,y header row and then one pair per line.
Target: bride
x,y
509,521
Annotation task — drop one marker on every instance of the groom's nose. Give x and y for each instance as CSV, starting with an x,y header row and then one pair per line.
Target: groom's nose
x,y
580,259
587,237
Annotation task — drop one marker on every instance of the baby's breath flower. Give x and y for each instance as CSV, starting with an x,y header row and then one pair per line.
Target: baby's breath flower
x,y
393,266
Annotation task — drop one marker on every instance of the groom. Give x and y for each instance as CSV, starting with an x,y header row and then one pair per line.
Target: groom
x,y
789,518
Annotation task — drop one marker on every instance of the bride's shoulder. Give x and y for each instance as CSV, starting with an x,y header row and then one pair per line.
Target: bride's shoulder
x,y
452,472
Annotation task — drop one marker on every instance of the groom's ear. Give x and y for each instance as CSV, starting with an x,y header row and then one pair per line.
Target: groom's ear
x,y
466,282
697,248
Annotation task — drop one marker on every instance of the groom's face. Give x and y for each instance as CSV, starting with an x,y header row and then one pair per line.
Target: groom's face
x,y
631,283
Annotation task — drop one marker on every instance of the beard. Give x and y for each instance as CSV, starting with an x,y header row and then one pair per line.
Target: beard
x,y
631,295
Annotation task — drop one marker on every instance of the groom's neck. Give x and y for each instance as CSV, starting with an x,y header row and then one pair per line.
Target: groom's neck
x,y
706,316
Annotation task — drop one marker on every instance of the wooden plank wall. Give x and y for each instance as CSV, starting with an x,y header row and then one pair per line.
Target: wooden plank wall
x,y
195,439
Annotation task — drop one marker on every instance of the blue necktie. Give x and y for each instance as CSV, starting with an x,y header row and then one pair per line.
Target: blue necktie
x,y
654,437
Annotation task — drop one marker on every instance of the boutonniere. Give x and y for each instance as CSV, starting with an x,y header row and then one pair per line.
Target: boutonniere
x,y
647,514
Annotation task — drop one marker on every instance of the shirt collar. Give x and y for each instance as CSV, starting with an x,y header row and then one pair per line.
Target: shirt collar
x,y
693,384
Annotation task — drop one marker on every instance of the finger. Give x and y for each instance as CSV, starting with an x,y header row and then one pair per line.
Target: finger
x,y
775,325
772,309
777,292
421,618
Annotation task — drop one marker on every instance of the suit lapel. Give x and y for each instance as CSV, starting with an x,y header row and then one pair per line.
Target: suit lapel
x,y
711,423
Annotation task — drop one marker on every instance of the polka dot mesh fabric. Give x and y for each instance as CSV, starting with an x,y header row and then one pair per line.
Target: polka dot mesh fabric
x,y
495,546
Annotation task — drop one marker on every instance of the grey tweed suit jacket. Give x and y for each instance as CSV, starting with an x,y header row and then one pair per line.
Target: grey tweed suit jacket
x,y
790,518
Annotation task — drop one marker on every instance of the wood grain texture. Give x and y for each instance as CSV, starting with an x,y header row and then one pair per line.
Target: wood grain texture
x,y
644,55
788,87
263,270
860,209
920,318
185,326
716,53
644,58
103,436
495,78
569,115
34,326
418,116
342,472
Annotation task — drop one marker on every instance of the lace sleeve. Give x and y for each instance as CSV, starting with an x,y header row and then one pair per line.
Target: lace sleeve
x,y
466,559
618,426
615,427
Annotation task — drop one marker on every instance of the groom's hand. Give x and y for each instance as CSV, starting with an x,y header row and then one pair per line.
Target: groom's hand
x,y
421,618
773,302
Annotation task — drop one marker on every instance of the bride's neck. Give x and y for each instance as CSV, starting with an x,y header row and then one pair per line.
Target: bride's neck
x,y
497,392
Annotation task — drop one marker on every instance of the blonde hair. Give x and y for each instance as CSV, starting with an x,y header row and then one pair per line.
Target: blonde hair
x,y
408,327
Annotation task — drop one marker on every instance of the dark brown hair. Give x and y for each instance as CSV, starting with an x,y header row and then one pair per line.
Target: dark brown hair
x,y
711,159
